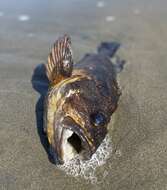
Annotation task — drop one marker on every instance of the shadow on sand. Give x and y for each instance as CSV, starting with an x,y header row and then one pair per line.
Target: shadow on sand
x,y
40,83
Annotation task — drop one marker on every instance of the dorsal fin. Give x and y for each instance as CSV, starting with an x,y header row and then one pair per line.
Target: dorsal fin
x,y
60,60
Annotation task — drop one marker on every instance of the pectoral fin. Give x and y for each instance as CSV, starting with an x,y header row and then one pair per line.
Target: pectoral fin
x,y
60,60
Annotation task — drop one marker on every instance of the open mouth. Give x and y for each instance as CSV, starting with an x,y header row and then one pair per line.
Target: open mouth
x,y
71,145
75,141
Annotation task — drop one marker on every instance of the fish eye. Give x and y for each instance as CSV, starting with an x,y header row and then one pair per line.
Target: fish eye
x,y
98,119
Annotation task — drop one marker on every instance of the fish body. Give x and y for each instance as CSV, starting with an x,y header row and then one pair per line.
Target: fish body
x,y
80,100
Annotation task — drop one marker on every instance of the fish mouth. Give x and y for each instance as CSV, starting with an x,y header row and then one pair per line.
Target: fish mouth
x,y
72,143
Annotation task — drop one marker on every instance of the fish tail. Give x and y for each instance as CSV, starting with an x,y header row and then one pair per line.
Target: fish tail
x,y
108,48
119,64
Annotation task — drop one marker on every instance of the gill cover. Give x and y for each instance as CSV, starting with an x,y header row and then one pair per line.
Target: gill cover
x,y
60,60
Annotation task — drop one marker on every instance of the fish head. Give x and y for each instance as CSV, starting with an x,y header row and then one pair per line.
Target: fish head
x,y
80,122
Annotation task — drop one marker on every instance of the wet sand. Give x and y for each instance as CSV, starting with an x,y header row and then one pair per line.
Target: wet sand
x,y
28,28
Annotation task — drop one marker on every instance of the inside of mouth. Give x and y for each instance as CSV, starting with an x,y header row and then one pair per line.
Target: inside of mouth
x,y
71,145
75,142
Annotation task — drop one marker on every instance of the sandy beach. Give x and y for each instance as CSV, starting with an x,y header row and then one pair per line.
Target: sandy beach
x,y
139,132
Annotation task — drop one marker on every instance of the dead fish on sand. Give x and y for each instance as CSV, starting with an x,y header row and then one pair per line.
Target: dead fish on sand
x,y
80,100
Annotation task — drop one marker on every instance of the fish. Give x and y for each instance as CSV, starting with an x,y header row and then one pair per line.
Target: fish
x,y
80,100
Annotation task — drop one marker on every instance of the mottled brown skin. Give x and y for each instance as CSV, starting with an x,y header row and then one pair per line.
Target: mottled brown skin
x,y
95,90
99,94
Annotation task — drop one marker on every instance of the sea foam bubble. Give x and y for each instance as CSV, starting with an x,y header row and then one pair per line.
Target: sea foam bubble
x,y
23,18
87,169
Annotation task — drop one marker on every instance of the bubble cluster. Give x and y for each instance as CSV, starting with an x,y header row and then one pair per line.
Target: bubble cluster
x,y
87,169
100,4
23,18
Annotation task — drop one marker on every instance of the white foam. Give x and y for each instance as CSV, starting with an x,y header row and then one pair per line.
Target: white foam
x,y
110,18
87,169
23,18
100,4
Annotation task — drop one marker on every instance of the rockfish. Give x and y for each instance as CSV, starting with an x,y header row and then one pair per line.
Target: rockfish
x,y
80,100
